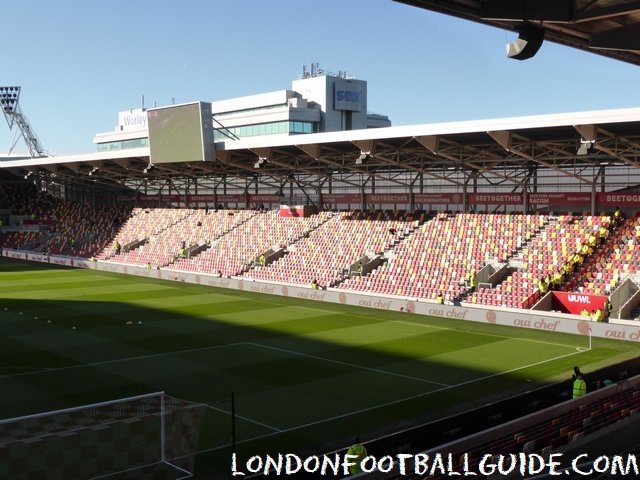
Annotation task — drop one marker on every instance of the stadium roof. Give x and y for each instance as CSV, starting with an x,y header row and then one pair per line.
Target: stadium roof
x,y
606,27
496,150
505,152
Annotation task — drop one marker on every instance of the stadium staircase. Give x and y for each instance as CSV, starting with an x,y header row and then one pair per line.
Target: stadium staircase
x,y
540,256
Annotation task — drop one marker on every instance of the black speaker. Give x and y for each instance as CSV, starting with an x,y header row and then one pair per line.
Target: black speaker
x,y
528,42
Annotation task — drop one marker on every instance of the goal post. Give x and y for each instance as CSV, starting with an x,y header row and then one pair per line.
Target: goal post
x,y
150,436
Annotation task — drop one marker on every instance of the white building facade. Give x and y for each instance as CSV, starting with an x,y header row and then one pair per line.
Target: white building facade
x,y
316,103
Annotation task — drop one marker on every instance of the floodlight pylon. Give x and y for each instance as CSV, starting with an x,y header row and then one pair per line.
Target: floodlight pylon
x,y
10,105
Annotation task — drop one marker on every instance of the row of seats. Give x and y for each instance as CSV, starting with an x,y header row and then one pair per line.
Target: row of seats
x,y
425,256
545,436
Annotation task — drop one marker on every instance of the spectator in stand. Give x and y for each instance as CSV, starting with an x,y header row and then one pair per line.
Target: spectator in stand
x,y
473,280
617,217
542,286
118,247
359,452
606,310
577,259
599,315
579,383
603,233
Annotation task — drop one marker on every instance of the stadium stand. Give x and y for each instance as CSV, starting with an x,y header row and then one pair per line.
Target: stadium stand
x,y
541,256
440,255
410,255
256,233
613,263
338,246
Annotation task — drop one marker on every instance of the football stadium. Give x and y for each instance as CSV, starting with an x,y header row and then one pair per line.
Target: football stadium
x,y
285,284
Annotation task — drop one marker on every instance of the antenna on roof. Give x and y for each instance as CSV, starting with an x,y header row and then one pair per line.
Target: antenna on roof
x,y
315,71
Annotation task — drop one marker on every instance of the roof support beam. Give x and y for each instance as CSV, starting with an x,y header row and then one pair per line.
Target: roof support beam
x,y
622,38
526,10
610,11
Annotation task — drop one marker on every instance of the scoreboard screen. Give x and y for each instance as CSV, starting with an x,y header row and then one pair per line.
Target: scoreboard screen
x,y
181,133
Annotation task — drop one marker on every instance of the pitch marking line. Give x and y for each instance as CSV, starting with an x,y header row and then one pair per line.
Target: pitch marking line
x,y
506,337
394,402
126,359
347,364
246,419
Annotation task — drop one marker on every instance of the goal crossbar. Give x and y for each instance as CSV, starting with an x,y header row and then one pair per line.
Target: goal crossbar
x,y
102,439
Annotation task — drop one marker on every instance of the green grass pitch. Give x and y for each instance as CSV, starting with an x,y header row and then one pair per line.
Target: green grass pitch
x,y
306,376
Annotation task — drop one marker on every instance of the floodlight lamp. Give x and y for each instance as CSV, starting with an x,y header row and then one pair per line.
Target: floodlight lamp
x,y
261,161
584,147
364,156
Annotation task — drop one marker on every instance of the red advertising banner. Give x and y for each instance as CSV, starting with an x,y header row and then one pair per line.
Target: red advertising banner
x,y
201,198
613,199
38,222
297,211
549,198
149,198
264,198
576,302
230,198
172,198
438,198
495,198
334,198
387,198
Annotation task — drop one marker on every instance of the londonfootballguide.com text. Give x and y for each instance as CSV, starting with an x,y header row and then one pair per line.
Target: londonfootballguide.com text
x,y
438,464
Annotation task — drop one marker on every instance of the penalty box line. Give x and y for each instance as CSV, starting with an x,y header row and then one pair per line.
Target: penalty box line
x,y
121,360
346,364
393,402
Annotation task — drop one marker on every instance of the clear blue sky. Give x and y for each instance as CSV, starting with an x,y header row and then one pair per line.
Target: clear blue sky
x,y
80,62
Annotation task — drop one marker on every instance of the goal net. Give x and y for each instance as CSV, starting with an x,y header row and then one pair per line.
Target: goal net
x,y
147,436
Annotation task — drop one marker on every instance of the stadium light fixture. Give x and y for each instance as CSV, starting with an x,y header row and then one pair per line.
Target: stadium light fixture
x,y
9,98
261,161
527,44
584,147
363,157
